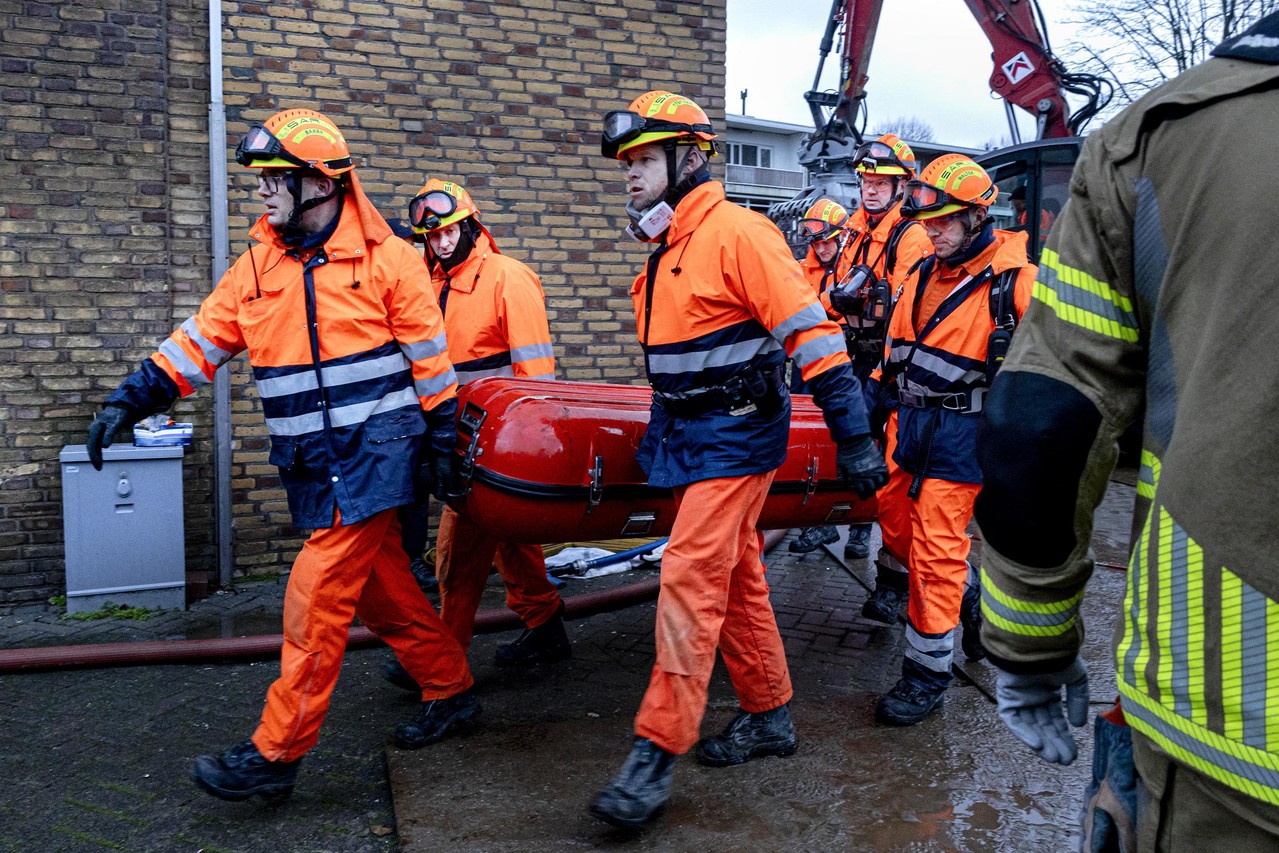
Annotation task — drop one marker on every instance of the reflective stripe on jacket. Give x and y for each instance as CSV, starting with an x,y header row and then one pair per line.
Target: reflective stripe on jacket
x,y
347,347
1152,278
727,296
495,313
949,357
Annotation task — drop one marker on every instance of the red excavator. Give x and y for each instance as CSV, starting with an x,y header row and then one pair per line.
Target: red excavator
x,y
1026,75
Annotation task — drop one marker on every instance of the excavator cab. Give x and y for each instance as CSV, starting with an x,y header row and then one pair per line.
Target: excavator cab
x,y
1034,182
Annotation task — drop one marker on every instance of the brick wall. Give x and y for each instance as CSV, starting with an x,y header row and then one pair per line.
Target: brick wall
x,y
104,197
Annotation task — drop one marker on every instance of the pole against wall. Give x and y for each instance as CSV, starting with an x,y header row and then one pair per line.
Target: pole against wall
x,y
221,251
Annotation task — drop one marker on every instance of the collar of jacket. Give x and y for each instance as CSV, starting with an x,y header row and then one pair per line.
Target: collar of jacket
x,y
359,226
466,274
860,223
693,209
1006,251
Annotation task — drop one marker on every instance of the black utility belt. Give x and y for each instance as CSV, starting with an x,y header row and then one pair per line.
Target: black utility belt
x,y
741,395
963,402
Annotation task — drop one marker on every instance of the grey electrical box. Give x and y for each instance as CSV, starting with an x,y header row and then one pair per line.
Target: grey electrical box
x,y
123,527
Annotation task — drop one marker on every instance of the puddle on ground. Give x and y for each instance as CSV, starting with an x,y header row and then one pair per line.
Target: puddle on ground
x,y
254,623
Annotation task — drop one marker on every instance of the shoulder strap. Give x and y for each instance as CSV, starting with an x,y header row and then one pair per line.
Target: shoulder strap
x,y
1001,287
890,248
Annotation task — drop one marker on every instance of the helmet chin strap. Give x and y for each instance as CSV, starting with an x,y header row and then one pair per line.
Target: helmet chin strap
x,y
293,181
898,184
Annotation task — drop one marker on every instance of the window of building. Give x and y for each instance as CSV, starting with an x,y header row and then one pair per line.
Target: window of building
x,y
743,154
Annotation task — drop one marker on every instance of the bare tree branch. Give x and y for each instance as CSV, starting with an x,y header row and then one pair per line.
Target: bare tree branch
x,y
1138,44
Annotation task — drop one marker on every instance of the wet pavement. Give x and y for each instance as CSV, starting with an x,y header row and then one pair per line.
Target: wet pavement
x,y
98,759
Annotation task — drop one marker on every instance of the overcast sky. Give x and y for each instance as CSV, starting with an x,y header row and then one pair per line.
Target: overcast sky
x,y
930,60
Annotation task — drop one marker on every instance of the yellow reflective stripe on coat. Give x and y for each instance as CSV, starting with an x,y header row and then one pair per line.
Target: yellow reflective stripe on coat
x,y
1198,661
1148,474
1081,300
1027,618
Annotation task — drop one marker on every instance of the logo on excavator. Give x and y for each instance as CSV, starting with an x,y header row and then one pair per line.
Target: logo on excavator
x,y
1018,68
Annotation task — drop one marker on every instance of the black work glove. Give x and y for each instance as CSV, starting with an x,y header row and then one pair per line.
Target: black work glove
x,y
441,469
861,465
103,429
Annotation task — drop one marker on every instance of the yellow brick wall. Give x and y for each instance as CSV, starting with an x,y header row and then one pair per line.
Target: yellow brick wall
x,y
104,197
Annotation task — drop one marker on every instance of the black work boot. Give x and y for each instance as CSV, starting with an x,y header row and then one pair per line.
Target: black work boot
x,y
766,733
908,703
394,672
546,643
812,538
242,771
970,619
424,574
892,589
436,719
858,545
640,789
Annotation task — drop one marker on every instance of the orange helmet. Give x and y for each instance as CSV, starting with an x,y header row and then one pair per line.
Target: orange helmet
x,y
947,185
653,117
887,155
295,139
439,204
823,220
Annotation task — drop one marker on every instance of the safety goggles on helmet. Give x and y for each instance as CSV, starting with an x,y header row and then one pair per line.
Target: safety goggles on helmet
x,y
428,210
261,144
819,230
922,199
875,155
623,126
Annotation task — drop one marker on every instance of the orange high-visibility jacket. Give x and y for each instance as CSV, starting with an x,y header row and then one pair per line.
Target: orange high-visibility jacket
x,y
821,277
869,245
495,313
944,366
347,347
728,299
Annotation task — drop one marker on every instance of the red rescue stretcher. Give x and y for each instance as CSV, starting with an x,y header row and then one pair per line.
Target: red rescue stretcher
x,y
547,461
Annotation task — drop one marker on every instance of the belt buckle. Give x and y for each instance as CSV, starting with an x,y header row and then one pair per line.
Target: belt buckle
x,y
957,402
910,399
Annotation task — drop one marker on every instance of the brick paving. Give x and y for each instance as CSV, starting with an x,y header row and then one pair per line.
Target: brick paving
x,y
98,758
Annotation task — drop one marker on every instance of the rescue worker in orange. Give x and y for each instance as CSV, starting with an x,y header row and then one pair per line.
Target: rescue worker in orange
x,y
495,316
947,336
347,348
882,248
719,307
1046,216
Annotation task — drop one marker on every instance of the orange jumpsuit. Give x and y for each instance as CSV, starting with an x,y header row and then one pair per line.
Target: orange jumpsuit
x,y
495,315
936,357
347,349
719,306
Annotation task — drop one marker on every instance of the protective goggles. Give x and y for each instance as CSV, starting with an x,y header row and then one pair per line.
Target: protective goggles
x,y
874,154
623,126
428,210
261,144
818,230
923,198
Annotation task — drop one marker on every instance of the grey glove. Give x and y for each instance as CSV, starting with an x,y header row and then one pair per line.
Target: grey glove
x,y
443,475
1030,705
861,465
103,429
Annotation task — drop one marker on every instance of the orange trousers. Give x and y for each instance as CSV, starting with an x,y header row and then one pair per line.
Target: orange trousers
x,y
342,572
464,556
927,535
713,595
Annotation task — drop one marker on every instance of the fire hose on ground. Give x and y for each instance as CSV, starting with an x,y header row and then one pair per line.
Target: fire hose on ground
x,y
225,649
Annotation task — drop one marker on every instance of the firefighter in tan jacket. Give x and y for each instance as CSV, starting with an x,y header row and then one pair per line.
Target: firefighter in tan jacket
x,y
1142,301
